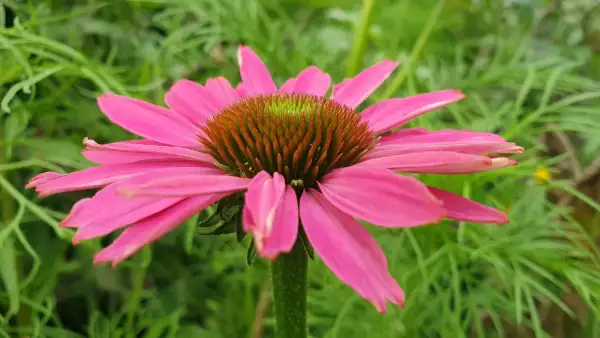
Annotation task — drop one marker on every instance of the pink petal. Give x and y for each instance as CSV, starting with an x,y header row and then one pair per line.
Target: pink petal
x,y
193,101
271,213
476,148
262,199
241,90
393,113
76,210
460,141
352,92
222,91
463,209
348,249
406,132
121,217
438,162
381,197
147,120
134,151
288,85
255,75
419,135
100,176
42,178
336,88
310,81
185,185
107,204
151,228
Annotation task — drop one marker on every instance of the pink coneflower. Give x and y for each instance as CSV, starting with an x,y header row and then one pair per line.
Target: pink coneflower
x,y
302,159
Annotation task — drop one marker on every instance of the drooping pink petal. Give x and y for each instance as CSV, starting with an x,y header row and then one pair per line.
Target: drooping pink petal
x,y
381,197
150,121
475,148
348,249
192,100
77,208
463,209
310,81
352,92
393,113
106,205
285,229
262,199
42,178
438,162
100,176
122,217
185,185
255,75
460,141
271,213
136,150
222,91
418,135
153,227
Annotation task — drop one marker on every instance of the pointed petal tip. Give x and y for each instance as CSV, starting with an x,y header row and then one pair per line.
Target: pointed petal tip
x,y
102,257
99,258
501,219
457,93
39,179
381,307
76,239
106,98
42,193
388,63
501,162
65,223
83,235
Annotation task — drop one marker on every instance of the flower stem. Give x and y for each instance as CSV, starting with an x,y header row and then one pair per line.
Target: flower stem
x,y
360,38
289,293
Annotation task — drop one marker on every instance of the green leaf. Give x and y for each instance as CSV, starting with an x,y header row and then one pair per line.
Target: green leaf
x,y
251,253
240,233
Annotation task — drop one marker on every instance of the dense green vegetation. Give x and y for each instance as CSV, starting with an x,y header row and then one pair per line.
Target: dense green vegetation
x,y
530,69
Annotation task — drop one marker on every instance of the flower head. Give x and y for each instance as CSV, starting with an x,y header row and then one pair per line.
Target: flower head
x,y
298,158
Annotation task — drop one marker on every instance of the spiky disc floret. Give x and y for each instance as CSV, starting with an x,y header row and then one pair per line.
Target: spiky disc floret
x,y
300,136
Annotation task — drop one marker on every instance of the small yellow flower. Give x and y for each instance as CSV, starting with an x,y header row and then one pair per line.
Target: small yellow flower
x,y
541,175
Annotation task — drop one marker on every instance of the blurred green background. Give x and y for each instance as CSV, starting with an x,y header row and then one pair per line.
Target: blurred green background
x,y
530,69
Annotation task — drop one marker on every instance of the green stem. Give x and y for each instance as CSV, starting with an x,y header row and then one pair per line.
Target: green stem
x,y
7,211
360,38
289,292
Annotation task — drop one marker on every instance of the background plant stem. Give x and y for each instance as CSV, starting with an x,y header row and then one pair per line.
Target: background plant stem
x,y
360,38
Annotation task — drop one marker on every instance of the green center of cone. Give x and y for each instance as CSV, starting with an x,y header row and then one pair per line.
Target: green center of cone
x,y
300,136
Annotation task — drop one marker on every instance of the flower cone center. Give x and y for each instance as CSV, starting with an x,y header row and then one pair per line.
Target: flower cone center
x,y
300,136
